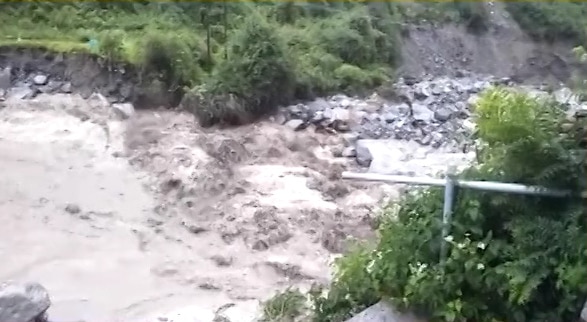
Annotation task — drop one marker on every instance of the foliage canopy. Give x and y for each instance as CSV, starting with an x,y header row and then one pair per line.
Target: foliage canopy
x,y
512,258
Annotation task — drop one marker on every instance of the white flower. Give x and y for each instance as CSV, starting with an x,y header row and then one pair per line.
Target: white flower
x,y
369,267
481,245
449,238
420,267
480,266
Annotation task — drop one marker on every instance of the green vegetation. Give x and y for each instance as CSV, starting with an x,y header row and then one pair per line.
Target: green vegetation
x,y
284,307
511,258
579,81
237,60
551,20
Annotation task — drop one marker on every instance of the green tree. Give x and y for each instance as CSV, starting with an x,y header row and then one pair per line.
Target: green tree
x,y
512,257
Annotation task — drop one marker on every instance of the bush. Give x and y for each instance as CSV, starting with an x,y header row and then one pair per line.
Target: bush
x,y
352,79
257,72
172,58
352,36
352,291
564,20
511,257
315,73
284,307
111,45
473,14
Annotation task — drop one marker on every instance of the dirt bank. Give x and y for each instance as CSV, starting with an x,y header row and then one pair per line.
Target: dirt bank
x,y
503,50
80,73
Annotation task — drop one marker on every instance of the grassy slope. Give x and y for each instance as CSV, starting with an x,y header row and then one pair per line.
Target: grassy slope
x,y
68,26
329,46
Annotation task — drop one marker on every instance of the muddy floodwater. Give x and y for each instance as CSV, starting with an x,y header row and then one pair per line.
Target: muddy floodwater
x,y
152,217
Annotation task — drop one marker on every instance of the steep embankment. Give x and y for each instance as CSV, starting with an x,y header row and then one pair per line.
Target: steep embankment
x,y
503,49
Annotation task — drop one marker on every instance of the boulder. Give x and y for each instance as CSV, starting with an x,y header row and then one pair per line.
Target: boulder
x,y
23,302
422,113
5,81
363,153
40,80
295,124
383,312
124,110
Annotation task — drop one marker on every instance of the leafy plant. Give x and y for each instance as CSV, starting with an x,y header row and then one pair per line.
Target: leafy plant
x,y
258,72
511,257
284,306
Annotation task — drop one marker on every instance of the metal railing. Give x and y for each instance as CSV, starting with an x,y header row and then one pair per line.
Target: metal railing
x,y
451,185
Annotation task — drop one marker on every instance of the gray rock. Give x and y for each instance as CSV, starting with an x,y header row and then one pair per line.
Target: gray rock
x,y
5,82
66,88
51,87
405,95
73,208
584,312
349,152
318,117
318,104
410,80
350,138
363,154
40,80
390,117
98,101
22,302
383,312
566,96
22,92
442,114
124,110
340,114
422,91
422,113
472,101
295,124
345,102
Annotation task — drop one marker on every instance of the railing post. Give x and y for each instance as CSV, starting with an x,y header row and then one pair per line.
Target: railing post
x,y
450,191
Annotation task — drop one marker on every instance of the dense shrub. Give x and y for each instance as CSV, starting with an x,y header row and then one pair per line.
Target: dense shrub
x,y
171,57
258,72
112,45
551,20
473,14
352,36
511,257
579,79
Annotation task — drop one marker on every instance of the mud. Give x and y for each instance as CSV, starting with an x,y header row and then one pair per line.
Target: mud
x,y
131,220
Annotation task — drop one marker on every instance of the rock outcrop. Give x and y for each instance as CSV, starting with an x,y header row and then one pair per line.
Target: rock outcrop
x,y
23,302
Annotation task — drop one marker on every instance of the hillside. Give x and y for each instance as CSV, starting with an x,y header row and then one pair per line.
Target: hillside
x,y
305,49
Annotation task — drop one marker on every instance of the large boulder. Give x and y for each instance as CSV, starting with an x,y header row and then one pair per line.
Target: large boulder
x,y
5,81
23,302
383,312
